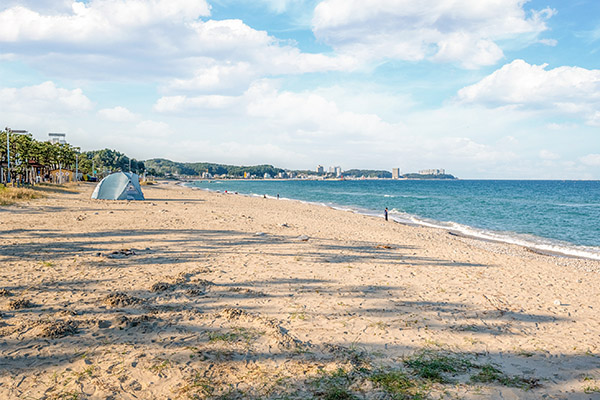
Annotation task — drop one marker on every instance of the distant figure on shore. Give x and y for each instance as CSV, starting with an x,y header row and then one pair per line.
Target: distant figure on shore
x,y
264,196
385,213
277,196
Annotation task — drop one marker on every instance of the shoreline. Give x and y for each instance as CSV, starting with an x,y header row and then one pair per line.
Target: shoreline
x,y
557,248
191,293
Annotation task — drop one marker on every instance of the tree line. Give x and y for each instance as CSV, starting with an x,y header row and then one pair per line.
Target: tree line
x,y
162,167
30,158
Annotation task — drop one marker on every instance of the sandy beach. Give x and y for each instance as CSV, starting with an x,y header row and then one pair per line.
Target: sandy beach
x,y
192,294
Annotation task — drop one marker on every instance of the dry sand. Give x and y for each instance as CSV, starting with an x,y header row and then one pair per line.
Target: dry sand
x,y
191,294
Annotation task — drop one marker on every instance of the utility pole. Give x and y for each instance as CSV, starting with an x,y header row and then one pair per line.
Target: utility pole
x,y
7,154
77,163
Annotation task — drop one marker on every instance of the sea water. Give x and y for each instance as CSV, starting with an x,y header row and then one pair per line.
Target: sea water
x,y
556,216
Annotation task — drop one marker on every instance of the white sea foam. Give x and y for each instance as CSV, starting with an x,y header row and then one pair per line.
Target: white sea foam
x,y
533,242
578,205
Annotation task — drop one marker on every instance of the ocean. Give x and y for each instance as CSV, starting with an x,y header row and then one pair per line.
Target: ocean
x,y
555,216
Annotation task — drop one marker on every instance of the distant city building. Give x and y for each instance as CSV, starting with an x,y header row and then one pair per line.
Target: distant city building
x,y
395,173
338,171
432,172
331,170
320,169
267,175
59,138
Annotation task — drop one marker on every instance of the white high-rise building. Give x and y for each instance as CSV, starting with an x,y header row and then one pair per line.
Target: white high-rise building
x,y
59,138
395,173
320,169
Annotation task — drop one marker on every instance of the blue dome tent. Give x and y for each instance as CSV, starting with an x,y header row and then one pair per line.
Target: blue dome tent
x,y
119,186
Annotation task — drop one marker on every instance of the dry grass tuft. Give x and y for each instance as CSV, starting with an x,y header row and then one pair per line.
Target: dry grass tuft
x,y
12,195
19,304
119,299
58,329
160,287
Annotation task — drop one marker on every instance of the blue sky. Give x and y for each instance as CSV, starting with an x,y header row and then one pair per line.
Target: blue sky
x,y
482,88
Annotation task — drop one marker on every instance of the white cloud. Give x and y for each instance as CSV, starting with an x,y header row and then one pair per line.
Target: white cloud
x,y
44,98
467,149
594,119
567,90
553,126
464,32
548,155
158,39
214,77
179,104
308,113
153,129
231,55
99,21
549,42
592,160
117,114
472,52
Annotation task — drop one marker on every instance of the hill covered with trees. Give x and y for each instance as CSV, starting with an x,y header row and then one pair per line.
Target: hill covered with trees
x,y
162,167
368,173
431,176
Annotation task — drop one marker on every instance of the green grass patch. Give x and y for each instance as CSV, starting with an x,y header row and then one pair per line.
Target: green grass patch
x,y
71,395
426,374
334,385
591,389
200,385
160,366
301,315
489,374
337,393
398,384
435,366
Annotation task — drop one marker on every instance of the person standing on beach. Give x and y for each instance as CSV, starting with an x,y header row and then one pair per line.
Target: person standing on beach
x,y
385,213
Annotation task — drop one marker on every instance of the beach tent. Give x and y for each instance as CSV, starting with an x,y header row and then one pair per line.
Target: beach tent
x,y
119,186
